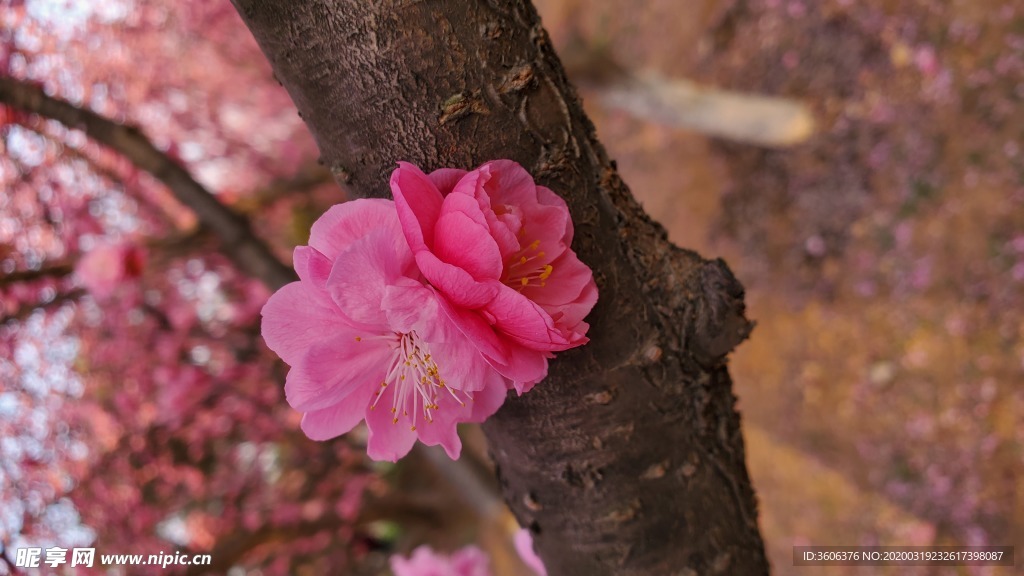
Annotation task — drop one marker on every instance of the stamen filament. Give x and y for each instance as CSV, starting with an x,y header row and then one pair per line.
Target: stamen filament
x,y
417,379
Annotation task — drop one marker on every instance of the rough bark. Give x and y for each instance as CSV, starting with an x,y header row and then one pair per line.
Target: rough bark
x,y
247,251
628,459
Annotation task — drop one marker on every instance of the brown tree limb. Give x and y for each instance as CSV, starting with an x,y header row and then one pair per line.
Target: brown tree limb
x,y
27,310
57,270
628,459
248,252
303,180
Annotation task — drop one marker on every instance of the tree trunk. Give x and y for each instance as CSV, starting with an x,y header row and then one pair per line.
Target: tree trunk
x,y
628,459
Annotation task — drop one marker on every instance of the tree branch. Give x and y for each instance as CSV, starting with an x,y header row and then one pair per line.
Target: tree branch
x,y
57,270
247,251
28,309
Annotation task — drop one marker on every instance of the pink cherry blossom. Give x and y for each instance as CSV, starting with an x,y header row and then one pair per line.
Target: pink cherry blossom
x,y
524,546
469,561
496,246
367,339
105,267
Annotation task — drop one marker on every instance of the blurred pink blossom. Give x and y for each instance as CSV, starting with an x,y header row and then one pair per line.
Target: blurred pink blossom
x,y
104,268
470,561
524,546
926,60
496,246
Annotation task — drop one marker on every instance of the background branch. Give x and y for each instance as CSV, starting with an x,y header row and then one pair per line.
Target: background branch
x,y
246,250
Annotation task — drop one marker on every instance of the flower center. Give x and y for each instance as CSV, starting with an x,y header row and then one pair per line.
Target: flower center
x,y
524,268
417,388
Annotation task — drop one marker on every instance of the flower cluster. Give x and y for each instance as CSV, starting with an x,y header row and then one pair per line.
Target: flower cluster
x,y
422,312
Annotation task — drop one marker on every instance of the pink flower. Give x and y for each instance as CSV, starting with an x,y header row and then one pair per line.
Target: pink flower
x,y
470,561
524,546
496,246
104,268
367,339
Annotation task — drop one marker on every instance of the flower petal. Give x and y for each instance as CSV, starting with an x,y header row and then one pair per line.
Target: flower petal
x,y
296,317
446,178
336,420
418,203
510,183
569,290
525,322
442,433
454,282
336,367
524,546
521,365
525,367
311,265
363,271
486,402
476,329
463,239
548,198
410,306
388,440
463,367
345,223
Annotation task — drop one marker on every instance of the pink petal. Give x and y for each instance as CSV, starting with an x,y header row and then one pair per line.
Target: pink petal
x,y
297,317
446,178
311,265
418,203
511,360
465,241
443,433
477,330
454,282
388,441
336,367
443,430
362,272
505,229
524,546
525,322
510,183
544,215
569,290
486,402
545,225
345,223
336,420
463,367
503,222
409,305
548,198
470,561
525,367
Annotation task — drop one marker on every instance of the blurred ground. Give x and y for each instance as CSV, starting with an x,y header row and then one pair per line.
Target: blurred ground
x,y
884,257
